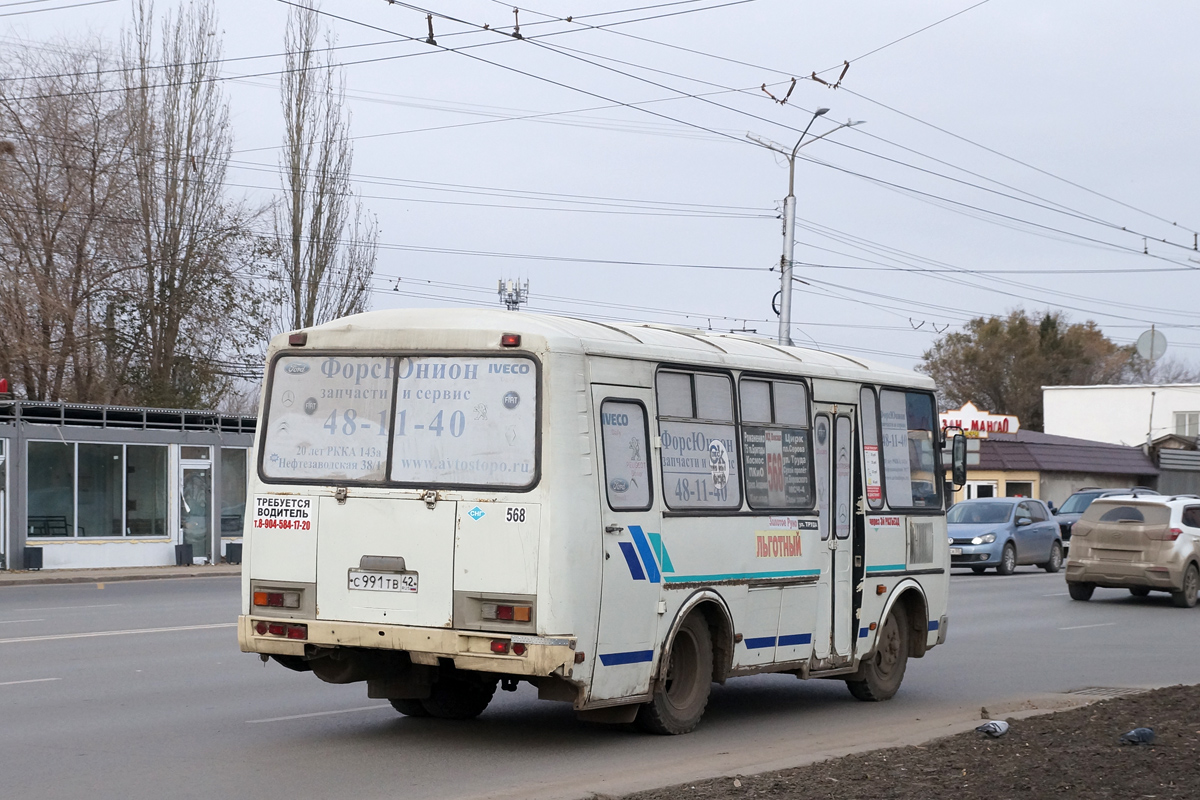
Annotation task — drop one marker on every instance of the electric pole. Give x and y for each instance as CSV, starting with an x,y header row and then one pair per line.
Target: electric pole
x,y
789,219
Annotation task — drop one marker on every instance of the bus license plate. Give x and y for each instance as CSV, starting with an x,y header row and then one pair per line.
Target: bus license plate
x,y
954,551
404,582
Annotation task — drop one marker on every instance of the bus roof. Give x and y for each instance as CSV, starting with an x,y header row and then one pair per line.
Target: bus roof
x,y
436,328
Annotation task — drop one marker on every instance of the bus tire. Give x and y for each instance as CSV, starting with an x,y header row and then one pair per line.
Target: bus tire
x,y
679,701
880,673
410,708
456,697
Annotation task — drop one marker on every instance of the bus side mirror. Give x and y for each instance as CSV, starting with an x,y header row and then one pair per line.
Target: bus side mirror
x,y
958,461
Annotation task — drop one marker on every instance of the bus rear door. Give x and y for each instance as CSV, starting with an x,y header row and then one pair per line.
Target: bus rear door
x,y
385,561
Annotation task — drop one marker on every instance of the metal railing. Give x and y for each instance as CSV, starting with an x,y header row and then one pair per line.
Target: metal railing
x,y
13,412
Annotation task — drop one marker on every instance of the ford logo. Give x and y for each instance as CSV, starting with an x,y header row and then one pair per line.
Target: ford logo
x,y
298,368
618,485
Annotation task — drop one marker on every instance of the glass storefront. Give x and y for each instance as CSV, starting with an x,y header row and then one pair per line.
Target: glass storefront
x,y
121,490
115,486
233,491
145,490
101,490
51,489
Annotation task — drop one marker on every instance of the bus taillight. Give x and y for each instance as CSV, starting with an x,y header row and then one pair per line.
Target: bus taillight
x,y
277,599
506,613
263,628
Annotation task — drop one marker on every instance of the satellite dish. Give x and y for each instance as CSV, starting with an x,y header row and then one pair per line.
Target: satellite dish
x,y
1151,345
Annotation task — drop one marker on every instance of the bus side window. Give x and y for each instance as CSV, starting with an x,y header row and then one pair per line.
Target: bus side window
x,y
626,454
675,395
776,444
909,459
699,440
870,438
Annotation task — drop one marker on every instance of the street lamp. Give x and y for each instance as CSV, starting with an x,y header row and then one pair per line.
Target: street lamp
x,y
789,218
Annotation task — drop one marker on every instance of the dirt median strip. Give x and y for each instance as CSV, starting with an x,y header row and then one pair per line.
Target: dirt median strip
x,y
1074,753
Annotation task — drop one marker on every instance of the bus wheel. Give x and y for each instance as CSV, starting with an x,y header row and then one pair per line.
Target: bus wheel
x,y
410,708
679,701
879,675
457,697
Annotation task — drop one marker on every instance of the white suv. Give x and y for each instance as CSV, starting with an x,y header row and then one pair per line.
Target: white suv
x,y
1141,543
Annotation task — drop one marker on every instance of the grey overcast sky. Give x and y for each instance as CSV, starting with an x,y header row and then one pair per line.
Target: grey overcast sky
x,y
1016,154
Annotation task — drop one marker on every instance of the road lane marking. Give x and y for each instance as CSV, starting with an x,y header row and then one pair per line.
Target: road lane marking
x,y
54,637
31,680
15,621
1081,627
317,714
1057,594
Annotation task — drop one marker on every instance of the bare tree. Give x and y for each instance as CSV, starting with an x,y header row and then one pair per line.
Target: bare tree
x,y
325,243
64,186
1166,370
191,300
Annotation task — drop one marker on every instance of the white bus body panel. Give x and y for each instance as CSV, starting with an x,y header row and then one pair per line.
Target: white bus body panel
x,y
371,526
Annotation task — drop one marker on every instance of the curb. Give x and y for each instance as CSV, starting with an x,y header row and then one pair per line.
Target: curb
x,y
116,578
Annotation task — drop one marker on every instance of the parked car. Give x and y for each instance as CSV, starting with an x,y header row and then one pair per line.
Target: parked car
x,y
1074,506
1003,532
1143,543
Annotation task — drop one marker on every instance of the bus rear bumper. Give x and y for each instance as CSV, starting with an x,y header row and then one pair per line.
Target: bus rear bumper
x,y
469,650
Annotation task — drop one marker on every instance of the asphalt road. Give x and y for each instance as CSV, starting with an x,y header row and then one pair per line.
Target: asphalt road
x,y
88,709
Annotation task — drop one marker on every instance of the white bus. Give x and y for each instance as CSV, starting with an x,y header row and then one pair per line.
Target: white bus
x,y
620,514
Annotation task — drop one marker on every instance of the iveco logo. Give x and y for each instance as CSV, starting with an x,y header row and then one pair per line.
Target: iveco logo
x,y
298,368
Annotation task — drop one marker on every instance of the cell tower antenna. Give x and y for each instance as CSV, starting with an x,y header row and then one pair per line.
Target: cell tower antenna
x,y
513,293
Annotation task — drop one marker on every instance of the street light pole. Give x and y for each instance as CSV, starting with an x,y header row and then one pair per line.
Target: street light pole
x,y
789,239
789,221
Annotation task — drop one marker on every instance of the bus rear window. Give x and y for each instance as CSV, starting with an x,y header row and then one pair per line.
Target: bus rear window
x,y
458,420
328,418
465,420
